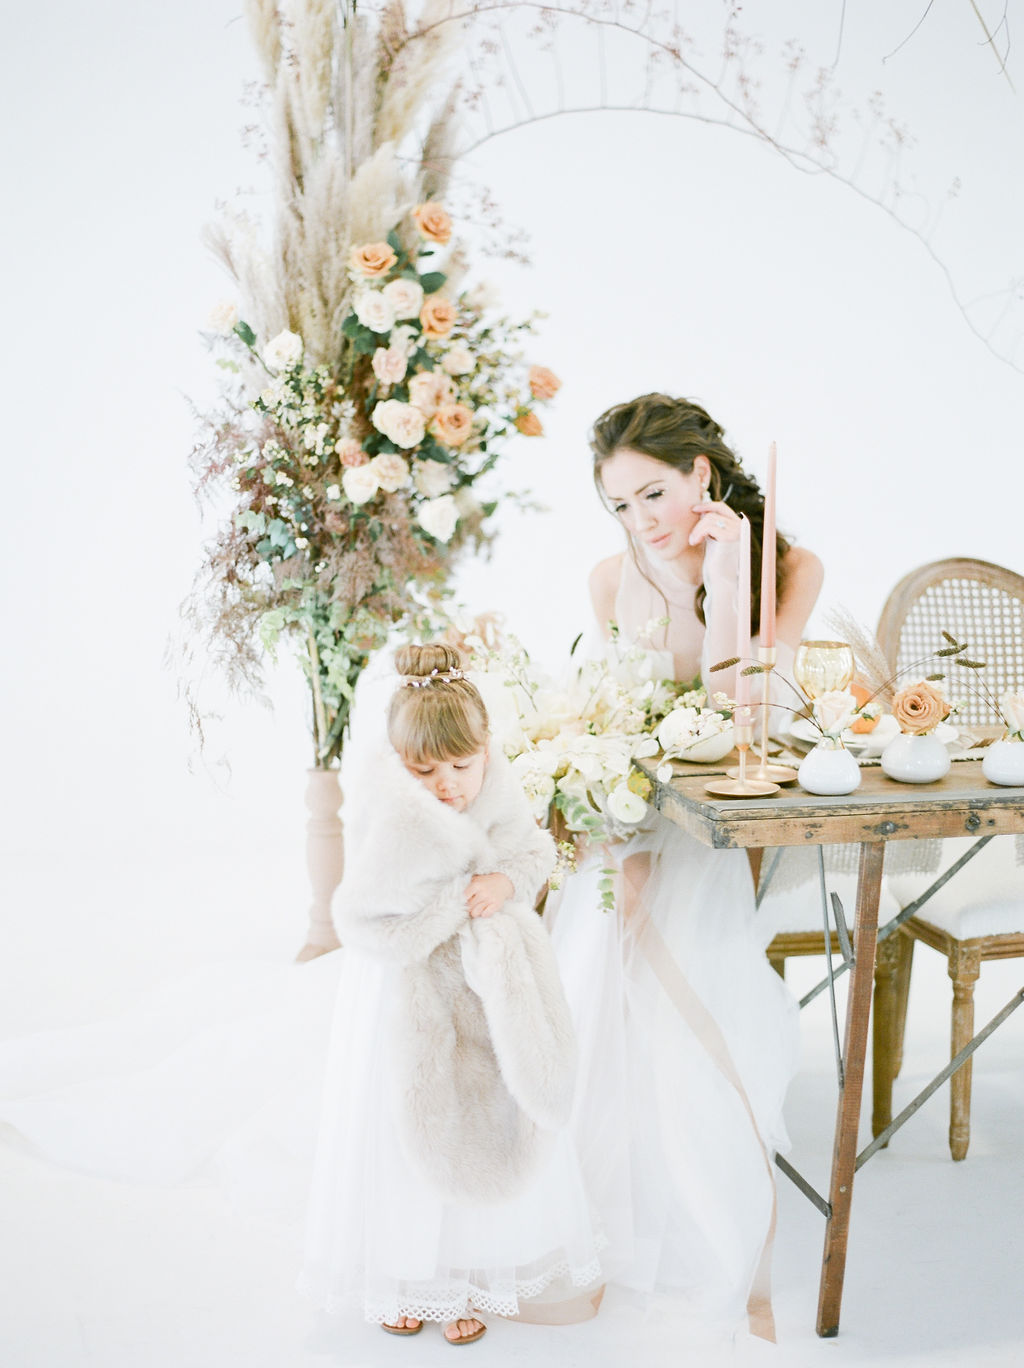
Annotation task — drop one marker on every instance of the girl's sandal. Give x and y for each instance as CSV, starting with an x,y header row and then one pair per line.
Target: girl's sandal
x,y
466,1339
403,1329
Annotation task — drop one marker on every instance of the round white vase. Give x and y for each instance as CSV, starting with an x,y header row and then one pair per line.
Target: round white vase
x,y
915,759
828,771
1004,763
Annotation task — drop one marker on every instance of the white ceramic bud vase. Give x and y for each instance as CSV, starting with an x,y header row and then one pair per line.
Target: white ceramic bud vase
x,y
915,759
1004,763
828,770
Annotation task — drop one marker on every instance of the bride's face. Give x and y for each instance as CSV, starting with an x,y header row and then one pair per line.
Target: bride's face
x,y
654,501
456,782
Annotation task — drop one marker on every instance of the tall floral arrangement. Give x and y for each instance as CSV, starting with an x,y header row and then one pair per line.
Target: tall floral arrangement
x,y
367,391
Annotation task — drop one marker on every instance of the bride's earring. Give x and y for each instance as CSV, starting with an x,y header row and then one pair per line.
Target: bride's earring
x,y
705,496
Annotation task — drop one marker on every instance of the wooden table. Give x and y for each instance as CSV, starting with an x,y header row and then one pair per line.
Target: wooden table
x,y
881,810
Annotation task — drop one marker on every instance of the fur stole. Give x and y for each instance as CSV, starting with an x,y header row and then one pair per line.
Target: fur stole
x,y
484,1051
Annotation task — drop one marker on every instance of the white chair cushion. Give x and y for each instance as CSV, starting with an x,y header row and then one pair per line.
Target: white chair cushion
x,y
985,898
799,909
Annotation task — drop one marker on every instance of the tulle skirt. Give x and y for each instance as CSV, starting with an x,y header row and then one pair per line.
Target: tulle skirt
x,y
379,1238
688,1041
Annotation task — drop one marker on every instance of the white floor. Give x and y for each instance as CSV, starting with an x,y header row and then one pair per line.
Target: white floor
x,y
106,1275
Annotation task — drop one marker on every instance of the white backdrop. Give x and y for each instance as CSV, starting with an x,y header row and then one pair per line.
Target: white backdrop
x,y
667,254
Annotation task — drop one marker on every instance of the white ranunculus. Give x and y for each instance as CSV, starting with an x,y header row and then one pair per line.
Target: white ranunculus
x,y
431,478
833,711
1011,705
374,311
391,471
625,805
223,317
458,360
404,296
360,483
439,517
402,424
283,351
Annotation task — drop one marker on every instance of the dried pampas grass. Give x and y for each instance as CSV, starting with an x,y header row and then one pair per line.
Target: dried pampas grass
x,y
417,66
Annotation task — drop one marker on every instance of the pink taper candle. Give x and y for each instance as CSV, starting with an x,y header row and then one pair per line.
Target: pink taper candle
x,y
743,616
767,632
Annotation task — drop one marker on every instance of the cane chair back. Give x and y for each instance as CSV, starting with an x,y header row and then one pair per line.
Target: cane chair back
x,y
978,916
976,602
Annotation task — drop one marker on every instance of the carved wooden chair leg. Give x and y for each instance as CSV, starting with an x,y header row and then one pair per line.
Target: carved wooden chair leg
x,y
904,964
964,968
884,1034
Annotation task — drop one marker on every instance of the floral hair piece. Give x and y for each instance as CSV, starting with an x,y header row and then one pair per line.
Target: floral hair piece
x,y
440,676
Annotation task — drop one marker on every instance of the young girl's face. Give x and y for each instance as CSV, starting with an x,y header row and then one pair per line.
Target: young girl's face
x,y
455,782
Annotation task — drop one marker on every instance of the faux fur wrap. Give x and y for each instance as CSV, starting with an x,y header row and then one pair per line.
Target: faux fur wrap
x,y
484,1051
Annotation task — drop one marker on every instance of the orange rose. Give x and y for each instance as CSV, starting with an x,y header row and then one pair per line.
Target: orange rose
x,y
530,425
372,259
437,316
452,424
919,708
862,724
433,222
544,383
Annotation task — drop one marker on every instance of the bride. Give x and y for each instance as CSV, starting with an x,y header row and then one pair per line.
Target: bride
x,y
688,1038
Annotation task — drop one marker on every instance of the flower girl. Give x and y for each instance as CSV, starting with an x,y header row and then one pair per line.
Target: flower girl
x,y
445,1183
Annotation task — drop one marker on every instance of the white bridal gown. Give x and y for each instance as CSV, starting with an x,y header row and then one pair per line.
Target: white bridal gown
x,y
688,1039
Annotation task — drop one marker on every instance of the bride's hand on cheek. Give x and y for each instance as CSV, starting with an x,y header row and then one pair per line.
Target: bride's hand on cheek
x,y
715,522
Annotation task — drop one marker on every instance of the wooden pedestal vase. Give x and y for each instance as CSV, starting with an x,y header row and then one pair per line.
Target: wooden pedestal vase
x,y
325,859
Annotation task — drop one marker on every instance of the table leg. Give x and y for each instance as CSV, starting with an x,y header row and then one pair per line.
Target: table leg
x,y
844,1151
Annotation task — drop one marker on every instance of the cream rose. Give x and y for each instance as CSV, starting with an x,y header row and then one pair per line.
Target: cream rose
x,y
833,711
919,708
283,351
360,483
405,296
437,317
391,470
452,424
433,221
1011,705
544,383
374,311
458,360
402,424
350,453
389,365
429,390
439,517
223,317
431,478
372,259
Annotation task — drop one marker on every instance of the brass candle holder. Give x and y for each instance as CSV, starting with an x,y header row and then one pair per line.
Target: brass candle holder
x,y
742,785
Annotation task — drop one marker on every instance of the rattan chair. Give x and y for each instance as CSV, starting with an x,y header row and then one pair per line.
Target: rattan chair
x,y
979,914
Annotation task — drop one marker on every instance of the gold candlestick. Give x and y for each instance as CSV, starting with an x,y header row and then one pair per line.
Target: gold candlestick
x,y
779,774
742,786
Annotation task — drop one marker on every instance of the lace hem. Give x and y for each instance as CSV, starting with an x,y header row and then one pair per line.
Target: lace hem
x,y
444,1303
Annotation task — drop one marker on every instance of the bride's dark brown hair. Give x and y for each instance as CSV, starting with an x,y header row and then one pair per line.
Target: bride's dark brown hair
x,y
676,432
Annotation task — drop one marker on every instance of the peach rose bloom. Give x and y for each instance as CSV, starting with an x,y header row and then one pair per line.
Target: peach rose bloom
x,y
350,453
919,708
437,317
452,424
544,383
428,390
530,425
433,221
372,259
